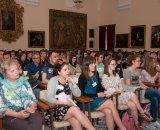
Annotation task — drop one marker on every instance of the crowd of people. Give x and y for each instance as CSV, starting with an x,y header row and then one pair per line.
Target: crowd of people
x,y
100,74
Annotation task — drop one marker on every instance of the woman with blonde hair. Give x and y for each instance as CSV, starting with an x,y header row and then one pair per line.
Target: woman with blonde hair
x,y
18,103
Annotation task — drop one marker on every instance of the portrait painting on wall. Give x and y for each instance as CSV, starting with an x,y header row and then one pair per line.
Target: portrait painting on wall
x,y
11,20
8,20
121,40
91,44
138,36
67,30
91,33
36,39
155,36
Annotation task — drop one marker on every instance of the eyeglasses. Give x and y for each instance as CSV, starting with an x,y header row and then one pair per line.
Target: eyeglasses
x,y
138,60
36,57
113,64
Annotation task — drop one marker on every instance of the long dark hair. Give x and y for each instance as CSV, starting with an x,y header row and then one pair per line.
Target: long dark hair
x,y
106,64
60,65
85,66
70,61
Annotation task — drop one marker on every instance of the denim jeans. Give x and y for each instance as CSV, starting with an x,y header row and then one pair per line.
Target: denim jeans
x,y
36,92
154,96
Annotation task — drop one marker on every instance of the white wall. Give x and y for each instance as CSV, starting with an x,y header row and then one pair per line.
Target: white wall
x,y
37,18
141,12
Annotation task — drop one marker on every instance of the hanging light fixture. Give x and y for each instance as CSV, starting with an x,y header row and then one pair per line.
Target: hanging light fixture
x,y
78,3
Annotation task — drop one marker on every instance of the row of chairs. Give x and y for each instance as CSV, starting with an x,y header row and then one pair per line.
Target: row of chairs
x,y
44,106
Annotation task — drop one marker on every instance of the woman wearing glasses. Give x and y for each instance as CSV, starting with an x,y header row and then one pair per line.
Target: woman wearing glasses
x,y
89,83
18,103
133,77
112,83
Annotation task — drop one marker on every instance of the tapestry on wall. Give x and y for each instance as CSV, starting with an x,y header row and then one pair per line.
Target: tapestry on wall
x,y
67,30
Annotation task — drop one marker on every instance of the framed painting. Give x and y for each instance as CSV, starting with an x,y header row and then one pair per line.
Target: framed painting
x,y
67,30
8,20
36,39
91,44
122,40
91,33
11,23
138,36
155,36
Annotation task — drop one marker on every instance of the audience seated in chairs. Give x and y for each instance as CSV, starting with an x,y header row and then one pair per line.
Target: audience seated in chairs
x,y
35,68
49,70
59,92
6,56
89,83
29,55
1,57
99,64
43,55
18,103
152,67
74,67
112,83
33,83
133,77
22,59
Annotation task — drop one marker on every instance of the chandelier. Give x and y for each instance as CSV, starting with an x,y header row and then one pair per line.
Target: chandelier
x,y
78,3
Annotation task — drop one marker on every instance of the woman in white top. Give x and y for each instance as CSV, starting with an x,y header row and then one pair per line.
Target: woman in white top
x,y
112,83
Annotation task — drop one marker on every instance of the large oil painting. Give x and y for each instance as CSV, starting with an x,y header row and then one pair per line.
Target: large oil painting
x,y
67,30
11,20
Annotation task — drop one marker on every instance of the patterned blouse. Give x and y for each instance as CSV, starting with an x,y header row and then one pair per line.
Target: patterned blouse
x,y
16,99
111,83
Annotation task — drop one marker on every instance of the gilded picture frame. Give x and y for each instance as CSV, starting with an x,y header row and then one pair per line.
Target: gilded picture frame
x,y
138,36
11,22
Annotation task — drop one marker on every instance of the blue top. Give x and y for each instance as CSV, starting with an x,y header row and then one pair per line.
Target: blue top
x,y
1,76
33,69
91,85
90,88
